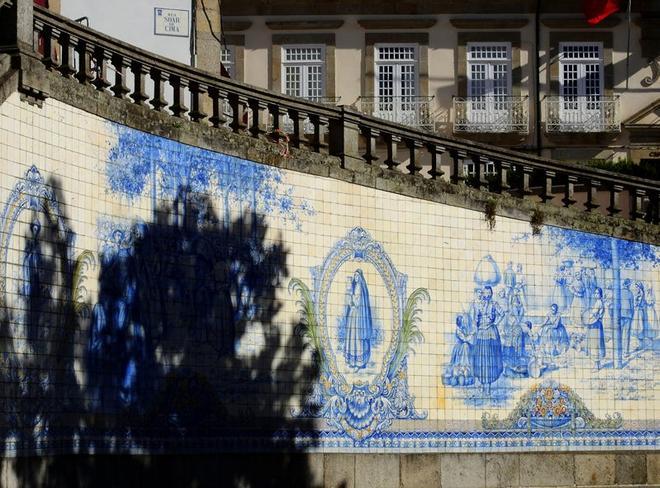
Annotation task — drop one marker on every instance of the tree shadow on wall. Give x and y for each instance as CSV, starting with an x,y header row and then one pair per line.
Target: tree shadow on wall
x,y
180,354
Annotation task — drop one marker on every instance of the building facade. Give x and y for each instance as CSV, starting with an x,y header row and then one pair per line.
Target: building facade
x,y
534,76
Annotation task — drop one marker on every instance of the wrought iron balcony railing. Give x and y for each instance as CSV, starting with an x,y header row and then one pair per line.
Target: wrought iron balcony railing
x,y
153,83
491,114
582,114
308,127
412,111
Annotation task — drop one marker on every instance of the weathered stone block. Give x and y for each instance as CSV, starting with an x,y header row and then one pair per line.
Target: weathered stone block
x,y
545,469
594,469
502,470
630,469
420,470
315,466
653,468
380,470
461,470
339,470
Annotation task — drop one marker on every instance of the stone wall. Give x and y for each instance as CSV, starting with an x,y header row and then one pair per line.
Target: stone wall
x,y
163,298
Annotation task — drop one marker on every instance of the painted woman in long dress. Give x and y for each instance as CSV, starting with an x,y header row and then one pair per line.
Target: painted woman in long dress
x,y
640,331
487,351
554,338
459,370
592,318
357,324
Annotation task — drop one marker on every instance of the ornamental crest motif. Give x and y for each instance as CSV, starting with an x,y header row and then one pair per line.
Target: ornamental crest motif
x,y
361,327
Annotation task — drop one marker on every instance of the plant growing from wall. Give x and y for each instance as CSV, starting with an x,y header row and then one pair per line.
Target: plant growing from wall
x,y
490,209
536,221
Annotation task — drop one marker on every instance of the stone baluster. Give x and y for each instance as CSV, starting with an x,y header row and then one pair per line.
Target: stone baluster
x,y
139,94
413,146
502,169
479,182
569,190
66,68
196,93
256,106
178,106
119,88
344,137
436,170
217,118
653,212
101,70
297,119
46,36
592,195
457,174
84,74
314,139
615,200
158,101
546,192
236,123
277,118
392,146
638,198
527,174
371,136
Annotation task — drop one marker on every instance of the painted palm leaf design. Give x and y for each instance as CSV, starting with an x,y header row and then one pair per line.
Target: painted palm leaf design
x,y
308,326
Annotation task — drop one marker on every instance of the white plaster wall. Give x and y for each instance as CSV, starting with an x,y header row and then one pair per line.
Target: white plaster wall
x,y
133,22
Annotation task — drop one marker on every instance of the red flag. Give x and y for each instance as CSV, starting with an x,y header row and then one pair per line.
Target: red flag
x,y
597,10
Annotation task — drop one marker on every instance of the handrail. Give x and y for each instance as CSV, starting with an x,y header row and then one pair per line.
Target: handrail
x,y
257,112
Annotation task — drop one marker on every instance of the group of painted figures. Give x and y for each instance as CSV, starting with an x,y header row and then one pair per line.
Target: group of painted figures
x,y
499,335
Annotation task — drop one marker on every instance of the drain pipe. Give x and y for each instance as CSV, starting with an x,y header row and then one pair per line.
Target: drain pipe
x,y
537,36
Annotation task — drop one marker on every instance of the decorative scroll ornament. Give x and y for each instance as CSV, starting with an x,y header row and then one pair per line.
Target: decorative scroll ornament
x,y
655,73
550,405
362,407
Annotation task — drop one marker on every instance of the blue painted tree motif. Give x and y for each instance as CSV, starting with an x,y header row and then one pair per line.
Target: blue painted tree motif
x,y
609,253
138,161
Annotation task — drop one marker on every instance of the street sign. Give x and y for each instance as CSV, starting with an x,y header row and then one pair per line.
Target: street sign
x,y
171,22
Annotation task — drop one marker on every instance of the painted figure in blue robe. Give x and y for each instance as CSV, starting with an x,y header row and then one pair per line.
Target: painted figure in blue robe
x,y
562,294
357,324
459,371
592,319
509,279
553,337
521,285
641,334
32,263
652,314
513,356
627,314
487,353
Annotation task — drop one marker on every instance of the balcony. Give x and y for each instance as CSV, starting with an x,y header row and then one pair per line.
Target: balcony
x,y
407,110
491,114
308,127
582,114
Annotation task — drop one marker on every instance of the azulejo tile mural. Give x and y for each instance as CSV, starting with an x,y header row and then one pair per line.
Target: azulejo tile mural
x,y
160,297
356,392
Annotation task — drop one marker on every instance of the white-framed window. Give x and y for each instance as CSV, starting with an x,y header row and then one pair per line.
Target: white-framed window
x,y
489,74
397,76
228,59
580,74
303,71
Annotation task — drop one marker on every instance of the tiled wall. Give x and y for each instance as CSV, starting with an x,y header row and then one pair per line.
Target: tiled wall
x,y
158,296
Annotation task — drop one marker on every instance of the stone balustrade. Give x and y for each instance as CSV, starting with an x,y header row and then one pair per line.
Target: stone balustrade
x,y
126,72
